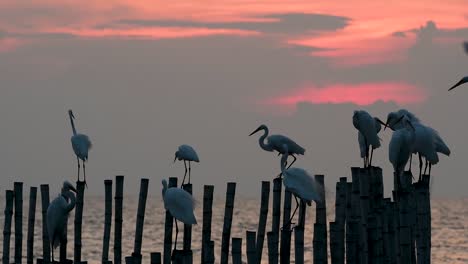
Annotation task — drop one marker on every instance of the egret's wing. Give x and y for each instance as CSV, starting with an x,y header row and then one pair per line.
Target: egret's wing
x,y
362,144
188,152
81,145
181,205
277,141
300,182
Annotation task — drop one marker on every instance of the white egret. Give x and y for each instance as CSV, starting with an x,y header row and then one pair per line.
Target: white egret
x,y
57,214
401,148
299,182
368,128
186,153
462,81
276,142
180,204
81,145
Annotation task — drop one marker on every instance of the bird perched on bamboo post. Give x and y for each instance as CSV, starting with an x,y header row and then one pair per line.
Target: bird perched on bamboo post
x,y
180,204
299,182
401,147
81,145
186,153
368,127
57,214
276,142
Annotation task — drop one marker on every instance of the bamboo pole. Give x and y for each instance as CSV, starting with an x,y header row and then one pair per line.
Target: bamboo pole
x,y
285,250
334,237
299,234
155,258
31,222
404,215
140,220
364,178
9,197
356,212
207,216
119,186
374,250
18,189
107,220
209,253
351,226
340,219
236,250
272,238
80,186
426,223
168,226
45,234
63,243
264,202
396,226
276,216
187,241
320,227
251,248
228,210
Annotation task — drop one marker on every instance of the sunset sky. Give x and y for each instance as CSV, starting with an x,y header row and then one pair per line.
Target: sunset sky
x,y
145,76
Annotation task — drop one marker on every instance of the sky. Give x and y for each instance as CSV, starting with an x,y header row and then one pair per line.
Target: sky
x,y
143,77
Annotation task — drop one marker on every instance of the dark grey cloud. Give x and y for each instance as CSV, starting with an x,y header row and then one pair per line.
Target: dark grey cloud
x,y
399,34
291,23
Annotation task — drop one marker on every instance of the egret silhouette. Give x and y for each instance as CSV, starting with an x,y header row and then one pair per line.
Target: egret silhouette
x,y
186,153
401,147
368,127
180,204
57,214
81,145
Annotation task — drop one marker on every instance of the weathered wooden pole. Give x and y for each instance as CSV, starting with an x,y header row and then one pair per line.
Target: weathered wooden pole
x,y
80,186
340,219
320,254
45,234
272,238
187,241
351,226
140,221
251,248
375,255
299,234
155,258
364,186
107,220
18,189
31,222
285,249
396,226
209,253
334,237
9,197
228,210
426,220
207,216
276,215
404,215
389,233
236,250
264,202
118,219
168,228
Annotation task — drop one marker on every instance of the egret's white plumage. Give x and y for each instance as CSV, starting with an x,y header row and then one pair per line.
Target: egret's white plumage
x,y
401,147
299,182
57,214
186,153
368,127
81,145
276,142
180,204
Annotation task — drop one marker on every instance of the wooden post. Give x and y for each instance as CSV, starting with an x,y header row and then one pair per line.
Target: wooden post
x,y
426,220
396,226
119,185
140,220
228,210
404,215
285,250
356,212
272,238
389,233
187,242
334,237
31,222
340,219
320,227
9,197
364,186
351,226
251,248
209,253
374,249
299,234
265,200
107,220
168,226
276,214
18,189
207,216
80,186
236,250
155,258
45,234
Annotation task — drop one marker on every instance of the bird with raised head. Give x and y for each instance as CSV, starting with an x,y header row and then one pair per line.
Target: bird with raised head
x,y
81,145
186,153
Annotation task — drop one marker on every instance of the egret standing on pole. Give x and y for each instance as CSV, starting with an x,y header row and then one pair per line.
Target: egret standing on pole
x,y
180,204
400,148
276,142
81,145
57,214
186,153
368,139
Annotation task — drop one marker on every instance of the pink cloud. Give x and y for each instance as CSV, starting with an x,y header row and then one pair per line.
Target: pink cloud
x,y
9,44
360,94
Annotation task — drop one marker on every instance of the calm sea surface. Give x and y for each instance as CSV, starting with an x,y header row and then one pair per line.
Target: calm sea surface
x,y
449,228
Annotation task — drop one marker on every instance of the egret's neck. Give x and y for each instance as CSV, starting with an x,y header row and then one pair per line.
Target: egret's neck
x,y
72,124
261,140
71,198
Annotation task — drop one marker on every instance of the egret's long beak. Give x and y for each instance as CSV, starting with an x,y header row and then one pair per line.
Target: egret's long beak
x,y
380,121
73,189
72,115
457,84
256,130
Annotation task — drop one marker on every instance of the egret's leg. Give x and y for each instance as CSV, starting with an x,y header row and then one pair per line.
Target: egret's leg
x,y
189,171
185,174
371,153
420,166
175,242
425,167
294,212
294,160
78,161
84,174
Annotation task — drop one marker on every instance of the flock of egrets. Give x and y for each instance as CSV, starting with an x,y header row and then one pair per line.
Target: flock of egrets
x,y
410,136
